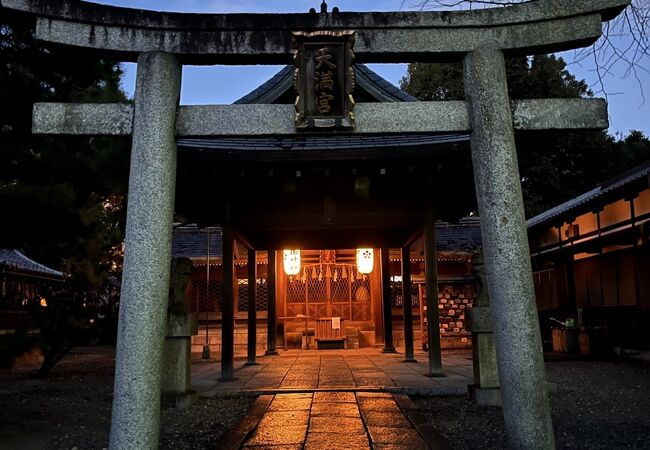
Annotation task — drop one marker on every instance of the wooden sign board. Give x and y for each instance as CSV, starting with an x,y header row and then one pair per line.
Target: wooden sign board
x,y
324,80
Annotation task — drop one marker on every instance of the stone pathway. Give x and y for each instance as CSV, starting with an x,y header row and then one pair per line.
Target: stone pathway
x,y
333,420
364,369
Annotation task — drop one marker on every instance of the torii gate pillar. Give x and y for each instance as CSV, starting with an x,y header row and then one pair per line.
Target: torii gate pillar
x,y
526,409
145,283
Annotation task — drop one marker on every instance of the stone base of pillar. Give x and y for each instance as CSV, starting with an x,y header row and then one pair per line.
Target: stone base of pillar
x,y
251,364
388,350
271,353
435,374
176,376
485,391
484,396
409,360
226,379
179,401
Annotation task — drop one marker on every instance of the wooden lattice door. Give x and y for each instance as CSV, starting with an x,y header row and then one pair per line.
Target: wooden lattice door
x,y
329,290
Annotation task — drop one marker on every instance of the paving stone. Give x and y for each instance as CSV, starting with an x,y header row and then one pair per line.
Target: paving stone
x,y
281,435
334,397
335,409
296,395
262,384
379,404
411,446
343,425
341,384
285,403
275,447
344,369
385,419
374,395
405,437
298,385
336,441
373,381
279,419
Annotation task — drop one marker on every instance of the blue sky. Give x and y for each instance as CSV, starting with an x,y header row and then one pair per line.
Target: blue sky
x,y
225,84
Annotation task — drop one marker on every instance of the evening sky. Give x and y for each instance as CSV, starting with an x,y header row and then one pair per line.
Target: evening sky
x,y
225,84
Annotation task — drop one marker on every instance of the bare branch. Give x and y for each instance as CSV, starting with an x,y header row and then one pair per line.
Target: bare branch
x,y
624,48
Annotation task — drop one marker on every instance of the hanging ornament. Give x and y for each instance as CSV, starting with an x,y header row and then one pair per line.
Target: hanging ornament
x,y
328,273
344,273
336,275
313,274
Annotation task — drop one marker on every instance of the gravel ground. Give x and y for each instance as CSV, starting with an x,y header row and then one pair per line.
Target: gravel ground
x,y
71,409
598,405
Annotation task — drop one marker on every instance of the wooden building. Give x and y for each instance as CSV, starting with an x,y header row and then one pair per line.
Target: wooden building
x,y
336,191
329,285
591,259
21,282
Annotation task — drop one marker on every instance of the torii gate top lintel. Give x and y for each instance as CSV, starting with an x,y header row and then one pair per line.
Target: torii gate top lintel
x,y
528,28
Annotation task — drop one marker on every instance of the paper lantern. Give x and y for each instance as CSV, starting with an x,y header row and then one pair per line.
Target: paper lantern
x,y
292,262
365,260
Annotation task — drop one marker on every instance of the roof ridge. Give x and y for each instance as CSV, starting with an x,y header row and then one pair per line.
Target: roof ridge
x,y
606,186
377,86
27,262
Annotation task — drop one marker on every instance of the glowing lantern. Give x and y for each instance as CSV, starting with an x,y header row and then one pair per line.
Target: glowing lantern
x,y
365,260
43,302
292,262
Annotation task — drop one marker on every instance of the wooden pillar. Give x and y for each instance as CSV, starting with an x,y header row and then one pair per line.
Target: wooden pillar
x,y
228,311
271,333
433,314
252,308
407,305
386,303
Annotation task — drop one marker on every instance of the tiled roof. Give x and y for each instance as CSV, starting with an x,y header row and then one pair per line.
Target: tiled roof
x,y
379,88
370,86
464,236
16,260
368,83
272,90
192,242
609,187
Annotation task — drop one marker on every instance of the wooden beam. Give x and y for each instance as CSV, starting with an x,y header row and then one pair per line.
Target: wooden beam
x,y
252,308
407,305
389,347
271,335
228,313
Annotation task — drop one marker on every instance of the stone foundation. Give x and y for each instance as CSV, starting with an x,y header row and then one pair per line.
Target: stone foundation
x,y
241,341
359,336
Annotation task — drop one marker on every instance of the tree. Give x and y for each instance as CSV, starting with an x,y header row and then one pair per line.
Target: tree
x,y
555,166
62,198
623,48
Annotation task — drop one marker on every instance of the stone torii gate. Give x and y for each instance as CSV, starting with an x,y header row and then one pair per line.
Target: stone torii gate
x,y
162,42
